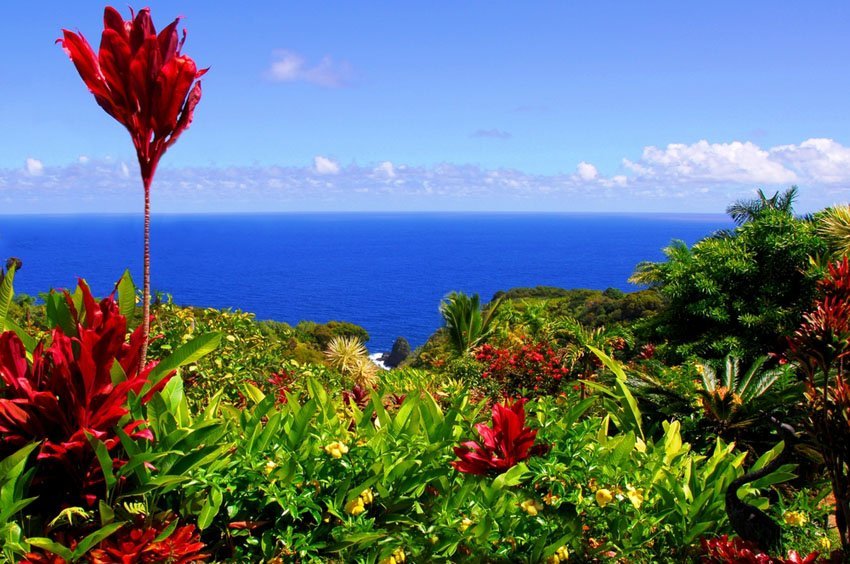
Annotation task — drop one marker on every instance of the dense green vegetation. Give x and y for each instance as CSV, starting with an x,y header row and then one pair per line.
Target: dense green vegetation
x,y
546,425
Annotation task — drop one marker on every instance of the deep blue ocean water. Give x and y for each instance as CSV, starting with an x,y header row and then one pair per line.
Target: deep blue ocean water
x,y
386,272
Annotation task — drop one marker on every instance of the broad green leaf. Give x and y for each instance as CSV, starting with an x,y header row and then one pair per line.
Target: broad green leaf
x,y
190,352
92,540
210,509
6,292
52,547
511,478
127,298
28,342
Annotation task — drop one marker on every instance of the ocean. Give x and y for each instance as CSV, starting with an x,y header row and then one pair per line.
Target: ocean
x,y
384,271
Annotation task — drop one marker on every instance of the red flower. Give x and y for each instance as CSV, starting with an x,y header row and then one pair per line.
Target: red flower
x,y
67,392
139,545
723,550
506,443
141,79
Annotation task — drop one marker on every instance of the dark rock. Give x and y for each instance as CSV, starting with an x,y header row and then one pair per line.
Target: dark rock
x,y
401,350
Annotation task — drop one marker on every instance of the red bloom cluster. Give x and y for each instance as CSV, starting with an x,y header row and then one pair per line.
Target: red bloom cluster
x,y
534,368
139,545
723,550
67,392
135,544
141,79
506,443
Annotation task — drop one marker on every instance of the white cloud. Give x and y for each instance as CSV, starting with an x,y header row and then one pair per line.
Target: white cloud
x,y
324,165
83,159
586,171
699,177
289,66
735,162
821,160
386,168
34,167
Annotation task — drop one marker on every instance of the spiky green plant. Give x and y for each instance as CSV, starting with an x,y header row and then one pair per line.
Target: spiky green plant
x,y
349,356
468,325
733,396
834,226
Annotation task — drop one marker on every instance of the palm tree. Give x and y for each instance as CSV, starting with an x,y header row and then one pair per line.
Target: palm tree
x,y
466,323
654,274
743,211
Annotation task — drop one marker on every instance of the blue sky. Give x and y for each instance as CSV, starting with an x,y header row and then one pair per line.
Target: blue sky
x,y
555,106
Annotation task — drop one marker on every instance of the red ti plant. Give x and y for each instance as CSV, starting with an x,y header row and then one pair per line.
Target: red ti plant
x,y
722,550
819,347
505,444
74,388
141,543
142,80
134,543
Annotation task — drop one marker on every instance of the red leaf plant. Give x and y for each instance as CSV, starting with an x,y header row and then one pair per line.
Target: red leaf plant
x,y
507,443
820,347
136,543
142,80
723,550
67,392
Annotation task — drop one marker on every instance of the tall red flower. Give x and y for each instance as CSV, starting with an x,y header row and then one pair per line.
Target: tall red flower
x,y
142,80
507,443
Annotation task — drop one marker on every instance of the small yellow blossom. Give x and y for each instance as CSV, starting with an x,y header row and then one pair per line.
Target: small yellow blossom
x,y
640,446
367,496
270,465
465,524
336,449
603,497
635,496
795,518
561,555
355,506
397,557
531,506
824,544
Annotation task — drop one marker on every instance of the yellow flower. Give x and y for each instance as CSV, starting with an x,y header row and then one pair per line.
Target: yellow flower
x,y
603,497
397,557
355,507
336,449
561,555
635,496
795,518
270,465
465,524
824,544
640,446
531,506
367,496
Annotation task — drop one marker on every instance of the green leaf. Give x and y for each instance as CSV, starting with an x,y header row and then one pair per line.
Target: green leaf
x,y
190,352
92,540
6,293
511,478
209,509
107,515
52,547
28,342
104,459
127,298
